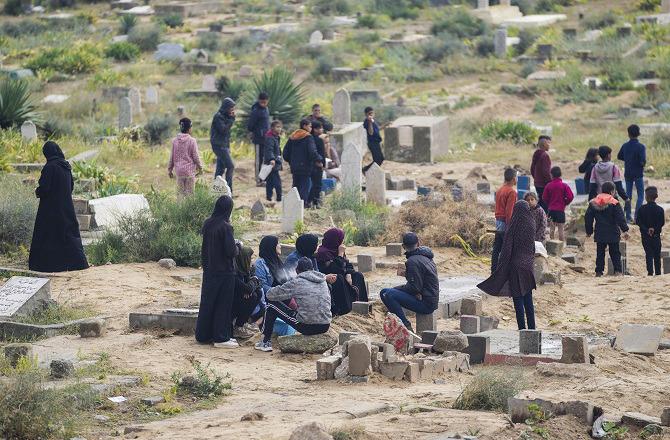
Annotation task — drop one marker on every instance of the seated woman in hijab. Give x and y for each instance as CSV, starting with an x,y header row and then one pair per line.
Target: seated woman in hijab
x,y
514,274
349,285
56,244
305,246
247,294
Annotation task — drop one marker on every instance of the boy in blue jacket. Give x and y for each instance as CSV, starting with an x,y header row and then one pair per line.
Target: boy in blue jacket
x,y
634,156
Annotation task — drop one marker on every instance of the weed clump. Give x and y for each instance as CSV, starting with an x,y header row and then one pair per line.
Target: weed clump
x,y
512,131
363,223
205,383
18,208
490,389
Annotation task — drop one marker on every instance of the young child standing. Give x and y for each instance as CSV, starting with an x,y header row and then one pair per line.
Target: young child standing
x,y
650,219
185,159
539,215
609,219
374,138
556,196
505,200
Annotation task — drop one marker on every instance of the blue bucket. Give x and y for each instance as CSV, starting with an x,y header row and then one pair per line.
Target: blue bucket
x,y
521,193
328,185
523,183
580,185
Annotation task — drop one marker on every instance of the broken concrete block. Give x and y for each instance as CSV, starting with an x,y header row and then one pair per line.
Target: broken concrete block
x,y
167,263
575,349
345,336
14,352
153,400
325,367
517,407
551,278
453,308
471,306
639,419
366,263
342,370
478,347
92,328
361,307
359,351
483,187
374,358
413,372
389,354
665,416
394,250
469,324
61,368
426,322
530,342
487,323
574,241
569,258
394,370
455,361
428,337
639,339
554,247
426,367
450,340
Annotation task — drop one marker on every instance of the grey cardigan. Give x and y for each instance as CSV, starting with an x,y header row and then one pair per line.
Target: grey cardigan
x,y
311,293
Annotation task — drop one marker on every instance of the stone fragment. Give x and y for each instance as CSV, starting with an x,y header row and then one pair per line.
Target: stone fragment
x,y
428,336
638,338
361,307
453,307
478,347
487,323
61,368
92,328
469,324
413,372
345,336
530,342
484,187
394,370
569,258
325,367
426,322
394,250
366,263
167,263
389,354
554,247
14,352
342,370
311,431
252,417
575,349
471,306
374,358
639,419
258,211
359,352
426,367
152,400
450,340
665,416
314,344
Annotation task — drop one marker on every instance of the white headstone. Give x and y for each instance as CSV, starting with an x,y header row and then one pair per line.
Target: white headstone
x,y
28,131
482,4
351,165
341,107
220,187
125,112
110,210
292,210
665,7
151,95
135,100
506,3
316,37
500,42
20,296
375,185
208,82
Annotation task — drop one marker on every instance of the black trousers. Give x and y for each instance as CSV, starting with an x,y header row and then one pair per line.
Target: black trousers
x,y
276,309
214,322
314,197
224,161
377,155
302,183
273,181
540,190
497,247
652,253
243,308
523,308
615,255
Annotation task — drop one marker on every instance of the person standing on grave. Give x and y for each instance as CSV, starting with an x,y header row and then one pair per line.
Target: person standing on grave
x,y
609,219
300,152
311,315
651,219
316,116
605,171
314,198
219,249
586,167
514,274
505,199
219,137
374,138
185,159
56,245
557,195
634,156
421,292
257,125
272,156
540,216
247,293
540,168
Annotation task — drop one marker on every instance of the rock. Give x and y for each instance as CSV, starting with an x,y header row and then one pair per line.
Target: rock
x,y
311,431
152,400
665,416
639,419
258,211
167,263
252,417
638,338
92,328
575,350
100,418
394,370
14,352
61,368
325,367
315,344
554,247
450,340
131,429
359,352
345,336
343,369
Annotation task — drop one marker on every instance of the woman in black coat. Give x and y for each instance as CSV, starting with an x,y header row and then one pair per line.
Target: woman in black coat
x,y
56,244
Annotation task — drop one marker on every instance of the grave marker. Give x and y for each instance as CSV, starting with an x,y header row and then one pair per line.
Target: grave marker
x,y
500,42
20,296
482,4
151,95
665,7
375,185
293,210
351,165
125,113
135,100
341,107
208,83
639,339
316,37
28,131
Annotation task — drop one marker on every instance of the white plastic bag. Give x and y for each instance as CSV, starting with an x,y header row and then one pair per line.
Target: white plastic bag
x,y
265,171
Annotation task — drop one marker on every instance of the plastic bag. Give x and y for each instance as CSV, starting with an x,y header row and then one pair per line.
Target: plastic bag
x,y
396,332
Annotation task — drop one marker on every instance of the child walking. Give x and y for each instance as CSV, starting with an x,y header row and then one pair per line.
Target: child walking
x,y
539,215
609,219
557,195
650,219
185,159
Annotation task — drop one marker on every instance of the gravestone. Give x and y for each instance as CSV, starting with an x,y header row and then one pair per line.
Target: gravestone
x,y
135,100
220,187
638,338
375,185
665,7
151,95
351,165
316,37
169,52
293,210
482,4
208,83
28,131
125,113
341,107
20,296
500,42
415,139
258,211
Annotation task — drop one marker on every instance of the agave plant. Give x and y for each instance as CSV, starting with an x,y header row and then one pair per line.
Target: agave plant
x,y
126,23
286,97
16,104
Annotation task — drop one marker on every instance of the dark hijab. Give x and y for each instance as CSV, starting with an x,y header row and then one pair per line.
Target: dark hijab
x,y
306,245
243,260
52,152
514,274
223,208
330,244
267,250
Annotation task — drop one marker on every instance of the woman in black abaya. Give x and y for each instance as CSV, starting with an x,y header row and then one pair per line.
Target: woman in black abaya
x,y
56,244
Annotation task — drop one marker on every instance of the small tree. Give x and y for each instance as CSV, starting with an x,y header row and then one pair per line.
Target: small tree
x,y
16,104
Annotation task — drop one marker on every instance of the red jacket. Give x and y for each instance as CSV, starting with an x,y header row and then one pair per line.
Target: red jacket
x,y
505,200
557,195
540,168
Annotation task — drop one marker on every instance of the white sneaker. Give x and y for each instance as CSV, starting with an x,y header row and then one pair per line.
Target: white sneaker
x,y
263,346
231,343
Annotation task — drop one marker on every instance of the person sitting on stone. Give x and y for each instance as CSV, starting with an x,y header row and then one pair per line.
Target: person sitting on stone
x,y
310,292
248,292
421,292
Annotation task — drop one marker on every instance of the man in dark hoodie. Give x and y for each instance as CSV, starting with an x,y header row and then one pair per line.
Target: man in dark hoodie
x,y
316,116
257,125
219,137
272,156
651,219
606,211
634,156
421,293
300,153
314,198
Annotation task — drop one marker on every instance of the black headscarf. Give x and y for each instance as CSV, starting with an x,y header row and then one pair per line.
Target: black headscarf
x,y
267,250
306,245
243,260
53,152
223,208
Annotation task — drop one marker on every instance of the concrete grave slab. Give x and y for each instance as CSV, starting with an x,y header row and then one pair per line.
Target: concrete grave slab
x,y
639,339
413,139
108,210
20,296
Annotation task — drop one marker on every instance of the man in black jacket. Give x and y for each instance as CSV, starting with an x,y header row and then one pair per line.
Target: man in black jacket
x,y
421,293
257,125
316,116
651,219
272,156
314,198
300,153
219,137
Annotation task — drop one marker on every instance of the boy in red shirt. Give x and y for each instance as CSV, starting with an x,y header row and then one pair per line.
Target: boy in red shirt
x,y
557,195
505,200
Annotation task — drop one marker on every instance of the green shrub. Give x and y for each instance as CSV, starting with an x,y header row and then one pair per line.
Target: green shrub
x,y
368,222
122,51
510,131
485,46
286,98
648,5
108,183
16,104
661,140
146,37
396,9
158,129
204,384
332,7
173,20
527,38
490,389
27,26
126,23
444,45
460,23
18,208
617,78
13,7
79,58
230,88
599,21
55,127
210,41
368,21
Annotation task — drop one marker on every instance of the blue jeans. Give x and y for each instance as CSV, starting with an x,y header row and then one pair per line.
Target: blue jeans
x,y
639,185
396,299
273,182
524,304
224,161
303,183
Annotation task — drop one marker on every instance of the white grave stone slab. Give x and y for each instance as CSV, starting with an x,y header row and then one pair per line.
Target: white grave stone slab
x,y
135,100
482,4
28,131
351,165
316,37
638,338
341,107
292,210
375,185
125,113
151,95
55,99
208,83
20,296
169,52
220,187
109,210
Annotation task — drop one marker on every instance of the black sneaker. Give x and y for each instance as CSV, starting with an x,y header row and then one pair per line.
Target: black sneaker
x,y
599,274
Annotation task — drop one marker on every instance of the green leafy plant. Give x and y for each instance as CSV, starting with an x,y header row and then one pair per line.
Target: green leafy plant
x,y
122,51
16,104
512,131
210,41
460,23
173,20
13,7
230,88
146,37
18,207
126,23
332,7
648,5
614,432
363,223
490,389
158,129
78,58
286,97
206,383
